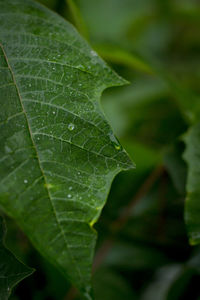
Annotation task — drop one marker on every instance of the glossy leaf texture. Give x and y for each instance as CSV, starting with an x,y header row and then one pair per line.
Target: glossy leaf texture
x,y
11,270
192,206
58,153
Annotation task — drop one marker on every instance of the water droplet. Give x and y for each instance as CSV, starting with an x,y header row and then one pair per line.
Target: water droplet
x,y
54,112
93,53
69,195
25,181
71,126
80,67
79,173
29,85
8,149
53,68
70,188
117,147
114,141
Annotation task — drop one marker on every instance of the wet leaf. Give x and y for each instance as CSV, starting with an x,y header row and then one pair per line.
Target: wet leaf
x,y
58,153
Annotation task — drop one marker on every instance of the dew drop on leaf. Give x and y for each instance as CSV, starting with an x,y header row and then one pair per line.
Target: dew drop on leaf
x,y
7,149
71,126
114,141
69,195
93,53
25,181
117,147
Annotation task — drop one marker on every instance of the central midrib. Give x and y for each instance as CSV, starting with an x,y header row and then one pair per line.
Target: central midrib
x,y
40,166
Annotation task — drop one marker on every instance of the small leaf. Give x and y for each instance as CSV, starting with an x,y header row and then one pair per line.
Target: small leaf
x,y
12,271
192,206
58,153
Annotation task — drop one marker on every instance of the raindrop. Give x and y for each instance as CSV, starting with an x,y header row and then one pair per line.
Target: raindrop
x,y
69,195
114,141
53,68
71,126
8,149
54,112
25,181
70,188
117,147
29,85
93,53
81,67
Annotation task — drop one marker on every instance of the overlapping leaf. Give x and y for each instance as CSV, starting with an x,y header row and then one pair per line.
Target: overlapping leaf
x,y
58,154
11,270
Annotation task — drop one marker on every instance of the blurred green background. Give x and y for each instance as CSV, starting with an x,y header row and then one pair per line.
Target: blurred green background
x,y
142,251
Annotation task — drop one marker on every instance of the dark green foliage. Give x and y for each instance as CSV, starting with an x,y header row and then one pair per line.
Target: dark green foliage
x,y
145,246
11,270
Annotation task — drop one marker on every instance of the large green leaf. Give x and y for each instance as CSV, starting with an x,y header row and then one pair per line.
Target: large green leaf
x,y
192,206
11,270
58,153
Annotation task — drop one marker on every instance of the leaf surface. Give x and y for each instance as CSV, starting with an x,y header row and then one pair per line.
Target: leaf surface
x,y
192,205
11,270
58,155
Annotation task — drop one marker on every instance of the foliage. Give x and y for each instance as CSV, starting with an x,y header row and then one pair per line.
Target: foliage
x,y
144,249
59,155
11,270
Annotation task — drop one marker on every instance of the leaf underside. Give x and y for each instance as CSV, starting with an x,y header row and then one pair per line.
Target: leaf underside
x,y
58,155
192,206
11,270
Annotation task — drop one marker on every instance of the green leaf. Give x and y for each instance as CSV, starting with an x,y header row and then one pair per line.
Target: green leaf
x,y
192,206
12,271
58,153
